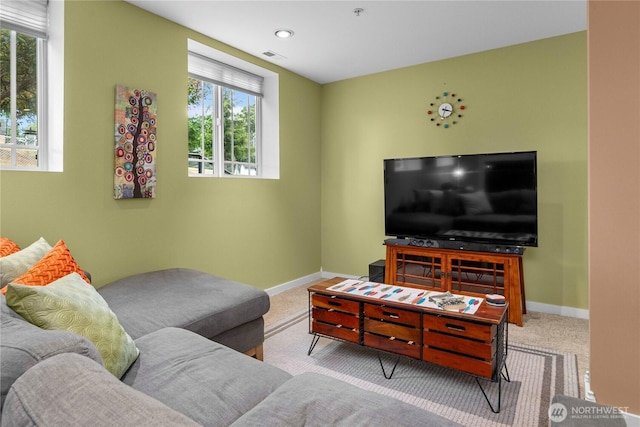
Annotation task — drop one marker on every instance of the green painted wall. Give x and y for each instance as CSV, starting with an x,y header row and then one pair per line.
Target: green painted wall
x,y
261,232
526,97
333,139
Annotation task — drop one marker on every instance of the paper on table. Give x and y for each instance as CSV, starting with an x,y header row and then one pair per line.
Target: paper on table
x,y
401,294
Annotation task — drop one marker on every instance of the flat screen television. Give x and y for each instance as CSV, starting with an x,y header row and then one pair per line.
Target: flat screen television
x,y
477,198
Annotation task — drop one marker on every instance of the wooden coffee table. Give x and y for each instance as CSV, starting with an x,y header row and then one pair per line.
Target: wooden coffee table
x,y
472,343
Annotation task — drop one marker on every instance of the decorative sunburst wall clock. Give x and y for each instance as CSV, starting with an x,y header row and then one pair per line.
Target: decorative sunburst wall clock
x,y
446,110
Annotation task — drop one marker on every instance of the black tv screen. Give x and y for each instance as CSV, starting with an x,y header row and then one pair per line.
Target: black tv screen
x,y
481,198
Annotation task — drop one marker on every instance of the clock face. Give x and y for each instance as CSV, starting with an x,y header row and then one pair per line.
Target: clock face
x,y
446,110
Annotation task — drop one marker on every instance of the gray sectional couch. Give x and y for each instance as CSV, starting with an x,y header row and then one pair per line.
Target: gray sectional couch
x,y
182,376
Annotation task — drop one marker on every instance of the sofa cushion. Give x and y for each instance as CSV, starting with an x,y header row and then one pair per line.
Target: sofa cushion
x,y
313,399
8,246
24,345
71,390
12,266
71,304
207,381
183,298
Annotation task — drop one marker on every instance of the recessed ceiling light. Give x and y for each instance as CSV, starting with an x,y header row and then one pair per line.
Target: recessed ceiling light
x,y
283,34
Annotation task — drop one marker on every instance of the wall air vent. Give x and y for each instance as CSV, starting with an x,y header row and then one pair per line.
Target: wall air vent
x,y
272,54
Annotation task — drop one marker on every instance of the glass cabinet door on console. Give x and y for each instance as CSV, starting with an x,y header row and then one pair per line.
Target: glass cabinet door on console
x,y
459,272
415,268
480,275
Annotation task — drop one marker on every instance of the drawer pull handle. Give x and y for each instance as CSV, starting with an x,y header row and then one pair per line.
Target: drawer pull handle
x,y
392,315
335,304
455,327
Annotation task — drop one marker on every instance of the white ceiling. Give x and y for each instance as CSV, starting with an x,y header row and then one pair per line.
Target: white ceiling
x,y
332,43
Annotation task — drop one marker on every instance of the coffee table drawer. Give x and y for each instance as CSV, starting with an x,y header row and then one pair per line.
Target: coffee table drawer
x,y
392,345
476,349
391,314
482,368
335,331
335,303
392,330
335,318
448,325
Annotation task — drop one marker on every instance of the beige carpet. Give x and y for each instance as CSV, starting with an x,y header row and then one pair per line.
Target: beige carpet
x,y
559,333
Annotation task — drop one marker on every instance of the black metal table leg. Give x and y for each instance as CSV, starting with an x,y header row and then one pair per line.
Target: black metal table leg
x,y
392,370
486,397
314,341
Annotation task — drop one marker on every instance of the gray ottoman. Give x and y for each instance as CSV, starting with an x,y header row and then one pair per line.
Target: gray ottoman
x,y
222,310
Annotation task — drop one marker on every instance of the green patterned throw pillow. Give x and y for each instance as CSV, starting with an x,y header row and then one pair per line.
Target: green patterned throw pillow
x,y
69,304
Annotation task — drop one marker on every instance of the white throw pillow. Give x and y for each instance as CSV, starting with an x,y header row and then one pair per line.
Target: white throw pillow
x,y
18,263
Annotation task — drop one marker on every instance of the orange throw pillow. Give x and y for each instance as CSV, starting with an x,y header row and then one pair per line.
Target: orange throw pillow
x,y
7,247
56,264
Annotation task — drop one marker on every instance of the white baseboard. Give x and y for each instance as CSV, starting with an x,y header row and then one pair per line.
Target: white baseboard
x,y
589,394
294,283
275,290
531,305
579,313
330,275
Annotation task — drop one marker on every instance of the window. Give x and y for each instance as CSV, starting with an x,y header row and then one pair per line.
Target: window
x,y
29,138
19,106
223,136
229,102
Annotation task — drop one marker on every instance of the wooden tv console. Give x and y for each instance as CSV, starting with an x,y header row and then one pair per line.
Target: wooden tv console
x,y
459,272
472,343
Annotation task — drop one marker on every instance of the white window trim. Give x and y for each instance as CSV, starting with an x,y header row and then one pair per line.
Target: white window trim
x,y
51,96
54,96
269,162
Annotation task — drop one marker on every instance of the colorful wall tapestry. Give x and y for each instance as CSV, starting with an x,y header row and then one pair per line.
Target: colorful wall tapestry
x,y
135,144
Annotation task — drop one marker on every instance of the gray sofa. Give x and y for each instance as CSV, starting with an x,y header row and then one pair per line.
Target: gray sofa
x,y
181,376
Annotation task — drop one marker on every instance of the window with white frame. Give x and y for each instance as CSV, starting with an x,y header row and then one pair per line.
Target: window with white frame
x,y
227,135
28,138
